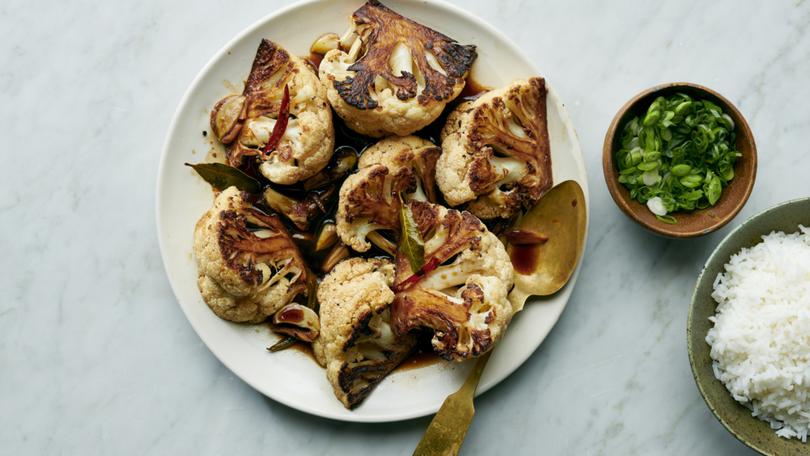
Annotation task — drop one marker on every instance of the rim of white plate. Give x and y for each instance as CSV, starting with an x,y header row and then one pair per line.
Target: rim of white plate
x,y
485,385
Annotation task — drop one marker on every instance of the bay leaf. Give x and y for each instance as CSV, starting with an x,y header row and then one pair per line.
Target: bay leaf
x,y
411,243
222,176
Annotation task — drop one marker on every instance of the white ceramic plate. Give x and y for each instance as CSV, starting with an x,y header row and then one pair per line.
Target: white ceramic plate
x,y
290,377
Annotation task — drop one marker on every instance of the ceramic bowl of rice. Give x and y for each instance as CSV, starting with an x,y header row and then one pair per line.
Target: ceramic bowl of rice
x,y
748,332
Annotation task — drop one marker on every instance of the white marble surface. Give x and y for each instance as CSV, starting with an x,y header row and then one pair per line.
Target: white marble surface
x,y
96,357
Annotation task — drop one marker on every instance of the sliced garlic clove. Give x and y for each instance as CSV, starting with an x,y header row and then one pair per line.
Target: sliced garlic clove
x,y
226,116
325,43
297,321
327,237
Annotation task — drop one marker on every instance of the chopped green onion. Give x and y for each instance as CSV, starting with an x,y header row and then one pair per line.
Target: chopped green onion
x,y
680,152
681,170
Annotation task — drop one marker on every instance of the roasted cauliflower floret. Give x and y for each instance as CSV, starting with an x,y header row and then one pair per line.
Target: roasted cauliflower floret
x,y
461,291
391,75
245,123
369,199
356,344
495,151
247,263
368,203
407,155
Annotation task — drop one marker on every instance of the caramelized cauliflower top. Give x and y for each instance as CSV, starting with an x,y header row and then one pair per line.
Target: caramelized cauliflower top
x,y
407,155
369,201
495,151
461,292
391,74
248,265
245,122
356,344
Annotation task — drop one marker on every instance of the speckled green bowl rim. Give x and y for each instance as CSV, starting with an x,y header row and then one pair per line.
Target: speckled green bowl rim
x,y
735,417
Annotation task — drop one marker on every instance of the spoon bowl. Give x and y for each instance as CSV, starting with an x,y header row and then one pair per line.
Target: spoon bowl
x,y
542,269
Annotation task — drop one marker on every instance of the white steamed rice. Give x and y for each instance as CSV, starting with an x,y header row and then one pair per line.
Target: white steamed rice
x,y
760,342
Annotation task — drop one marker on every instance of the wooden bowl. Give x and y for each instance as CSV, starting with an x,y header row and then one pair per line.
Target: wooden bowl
x,y
701,221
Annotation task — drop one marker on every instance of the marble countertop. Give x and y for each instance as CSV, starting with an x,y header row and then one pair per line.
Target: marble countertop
x,y
97,358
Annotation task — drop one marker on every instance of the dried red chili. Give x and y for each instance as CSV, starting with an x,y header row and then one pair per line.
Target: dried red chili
x,y
432,264
281,123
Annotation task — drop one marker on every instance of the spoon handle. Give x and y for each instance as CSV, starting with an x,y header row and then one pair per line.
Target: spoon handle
x,y
446,431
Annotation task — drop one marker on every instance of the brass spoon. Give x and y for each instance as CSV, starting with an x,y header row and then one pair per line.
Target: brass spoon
x,y
560,217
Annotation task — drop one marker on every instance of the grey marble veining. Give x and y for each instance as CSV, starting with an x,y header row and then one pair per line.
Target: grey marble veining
x,y
97,358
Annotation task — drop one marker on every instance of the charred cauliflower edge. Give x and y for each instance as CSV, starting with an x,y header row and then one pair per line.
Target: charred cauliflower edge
x,y
248,266
392,75
244,123
461,294
407,154
357,344
496,156
368,200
